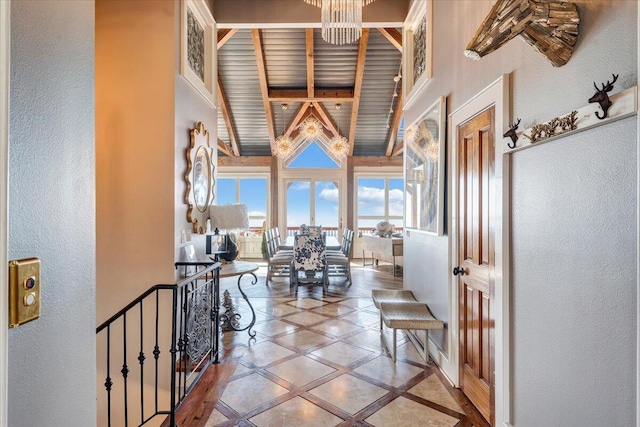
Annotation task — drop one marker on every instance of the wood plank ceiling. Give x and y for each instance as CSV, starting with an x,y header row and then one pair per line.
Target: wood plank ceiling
x,y
350,89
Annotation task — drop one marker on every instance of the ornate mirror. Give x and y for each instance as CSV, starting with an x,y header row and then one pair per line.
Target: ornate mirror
x,y
199,177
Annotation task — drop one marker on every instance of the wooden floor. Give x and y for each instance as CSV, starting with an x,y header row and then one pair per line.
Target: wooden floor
x,y
300,325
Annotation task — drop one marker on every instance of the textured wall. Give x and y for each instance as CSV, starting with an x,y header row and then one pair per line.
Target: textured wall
x,y
574,271
573,217
52,210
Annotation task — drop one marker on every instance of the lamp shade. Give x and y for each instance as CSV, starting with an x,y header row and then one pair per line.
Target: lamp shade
x,y
229,217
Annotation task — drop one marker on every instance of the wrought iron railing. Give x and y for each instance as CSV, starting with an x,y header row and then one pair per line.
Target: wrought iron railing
x,y
174,324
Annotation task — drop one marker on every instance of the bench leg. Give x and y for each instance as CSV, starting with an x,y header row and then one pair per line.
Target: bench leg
x,y
395,344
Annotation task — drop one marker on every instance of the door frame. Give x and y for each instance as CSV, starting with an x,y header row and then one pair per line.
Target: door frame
x,y
5,50
285,176
496,94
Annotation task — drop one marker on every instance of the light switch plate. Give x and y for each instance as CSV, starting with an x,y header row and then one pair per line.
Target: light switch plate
x,y
24,291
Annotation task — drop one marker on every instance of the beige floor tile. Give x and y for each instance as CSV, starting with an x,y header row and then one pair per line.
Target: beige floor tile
x,y
295,413
333,309
408,351
306,318
280,310
332,299
337,327
274,327
407,413
306,303
262,390
303,339
240,370
265,353
215,418
349,393
358,302
342,353
301,370
384,370
433,390
369,338
362,318
257,303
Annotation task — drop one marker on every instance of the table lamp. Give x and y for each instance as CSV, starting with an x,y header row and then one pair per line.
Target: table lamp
x,y
230,218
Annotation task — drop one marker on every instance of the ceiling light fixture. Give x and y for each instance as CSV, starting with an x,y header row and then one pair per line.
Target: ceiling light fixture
x,y
339,146
310,128
283,146
396,79
341,19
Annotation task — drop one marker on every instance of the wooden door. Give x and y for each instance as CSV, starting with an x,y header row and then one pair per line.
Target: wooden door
x,y
476,260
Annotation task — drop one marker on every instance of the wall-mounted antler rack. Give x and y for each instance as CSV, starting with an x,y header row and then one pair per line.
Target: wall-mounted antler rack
x,y
623,104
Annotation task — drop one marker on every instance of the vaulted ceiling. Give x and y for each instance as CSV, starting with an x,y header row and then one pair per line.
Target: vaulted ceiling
x,y
349,88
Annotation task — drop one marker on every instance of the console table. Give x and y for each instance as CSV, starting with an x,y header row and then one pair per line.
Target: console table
x,y
381,245
238,268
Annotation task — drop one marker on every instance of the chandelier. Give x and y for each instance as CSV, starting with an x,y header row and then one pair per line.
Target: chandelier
x,y
310,128
283,146
341,19
339,146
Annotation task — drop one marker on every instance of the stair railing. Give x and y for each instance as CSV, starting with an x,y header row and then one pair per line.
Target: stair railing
x,y
174,324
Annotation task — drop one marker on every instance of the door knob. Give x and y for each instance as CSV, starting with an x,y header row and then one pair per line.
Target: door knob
x,y
458,271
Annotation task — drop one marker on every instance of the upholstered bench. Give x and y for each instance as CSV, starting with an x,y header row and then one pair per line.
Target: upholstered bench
x,y
408,315
385,295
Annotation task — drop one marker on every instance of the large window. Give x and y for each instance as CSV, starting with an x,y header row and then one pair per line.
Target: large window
x,y
379,199
251,191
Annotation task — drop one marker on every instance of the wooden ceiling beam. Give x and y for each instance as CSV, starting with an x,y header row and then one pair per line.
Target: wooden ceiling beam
x,y
228,120
362,56
224,35
377,161
297,118
245,161
302,95
393,35
222,146
395,125
398,149
326,118
264,85
310,70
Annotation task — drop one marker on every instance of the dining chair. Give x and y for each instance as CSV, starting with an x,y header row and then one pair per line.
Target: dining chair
x,y
278,262
339,262
309,257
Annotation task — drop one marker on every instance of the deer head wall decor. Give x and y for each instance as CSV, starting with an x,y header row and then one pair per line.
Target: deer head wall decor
x,y
512,133
550,27
602,97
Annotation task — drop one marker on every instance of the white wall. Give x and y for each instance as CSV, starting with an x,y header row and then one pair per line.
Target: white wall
x,y
52,210
573,218
190,108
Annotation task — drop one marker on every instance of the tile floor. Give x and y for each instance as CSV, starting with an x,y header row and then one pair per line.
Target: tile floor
x,y
317,360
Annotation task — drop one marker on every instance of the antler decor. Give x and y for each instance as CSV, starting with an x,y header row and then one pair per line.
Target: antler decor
x,y
550,27
602,98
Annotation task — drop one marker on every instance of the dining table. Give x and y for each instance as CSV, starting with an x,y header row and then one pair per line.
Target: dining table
x,y
332,243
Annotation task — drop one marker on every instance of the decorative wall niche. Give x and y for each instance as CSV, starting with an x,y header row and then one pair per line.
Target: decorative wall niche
x,y
197,48
416,42
199,177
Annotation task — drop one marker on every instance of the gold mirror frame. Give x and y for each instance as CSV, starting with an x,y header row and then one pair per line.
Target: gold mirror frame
x,y
199,177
